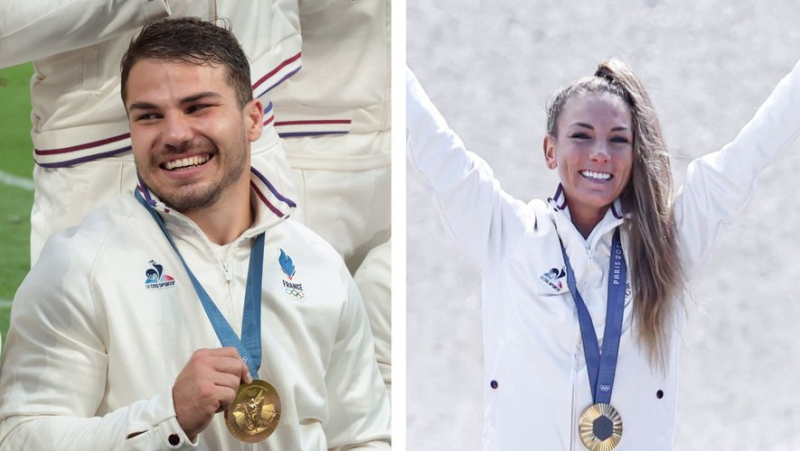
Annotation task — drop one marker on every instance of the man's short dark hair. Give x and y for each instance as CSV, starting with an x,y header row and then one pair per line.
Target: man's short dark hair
x,y
192,41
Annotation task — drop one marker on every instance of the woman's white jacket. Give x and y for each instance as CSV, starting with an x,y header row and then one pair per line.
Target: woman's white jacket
x,y
535,380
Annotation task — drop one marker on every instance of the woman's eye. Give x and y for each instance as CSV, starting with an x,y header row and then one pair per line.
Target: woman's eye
x,y
620,139
579,136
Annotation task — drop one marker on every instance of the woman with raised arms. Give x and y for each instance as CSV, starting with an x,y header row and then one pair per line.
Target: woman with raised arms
x,y
582,299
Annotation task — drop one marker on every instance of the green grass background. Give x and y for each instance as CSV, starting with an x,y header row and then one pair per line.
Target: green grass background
x,y
15,203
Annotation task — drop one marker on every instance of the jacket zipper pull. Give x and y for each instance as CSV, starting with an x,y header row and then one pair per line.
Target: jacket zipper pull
x,y
226,268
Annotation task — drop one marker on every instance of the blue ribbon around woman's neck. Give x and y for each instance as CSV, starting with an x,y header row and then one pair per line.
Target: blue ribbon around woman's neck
x,y
602,367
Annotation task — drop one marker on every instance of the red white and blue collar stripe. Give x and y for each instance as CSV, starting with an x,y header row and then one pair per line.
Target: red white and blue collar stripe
x,y
559,201
277,203
269,198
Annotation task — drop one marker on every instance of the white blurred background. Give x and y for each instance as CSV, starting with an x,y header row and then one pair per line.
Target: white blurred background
x,y
490,67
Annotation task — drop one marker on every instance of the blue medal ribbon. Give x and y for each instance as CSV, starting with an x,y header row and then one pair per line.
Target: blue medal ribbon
x,y
249,346
602,367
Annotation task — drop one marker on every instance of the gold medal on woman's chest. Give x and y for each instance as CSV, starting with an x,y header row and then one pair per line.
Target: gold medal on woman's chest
x,y
600,427
254,413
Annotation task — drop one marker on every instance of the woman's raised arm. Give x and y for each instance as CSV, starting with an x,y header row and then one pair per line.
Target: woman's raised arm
x,y
719,184
486,222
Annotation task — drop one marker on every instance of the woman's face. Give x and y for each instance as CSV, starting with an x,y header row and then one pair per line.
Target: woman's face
x,y
593,151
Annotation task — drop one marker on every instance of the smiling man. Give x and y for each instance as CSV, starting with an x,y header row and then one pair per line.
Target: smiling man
x,y
193,295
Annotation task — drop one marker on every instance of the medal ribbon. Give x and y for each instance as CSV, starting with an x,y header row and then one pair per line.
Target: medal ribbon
x,y
601,367
249,346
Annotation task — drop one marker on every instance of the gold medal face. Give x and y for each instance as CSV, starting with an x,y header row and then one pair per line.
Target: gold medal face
x,y
254,413
600,427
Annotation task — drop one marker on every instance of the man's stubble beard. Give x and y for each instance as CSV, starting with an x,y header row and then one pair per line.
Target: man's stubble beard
x,y
187,200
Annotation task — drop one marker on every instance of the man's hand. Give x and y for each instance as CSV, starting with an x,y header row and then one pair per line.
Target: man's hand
x,y
206,386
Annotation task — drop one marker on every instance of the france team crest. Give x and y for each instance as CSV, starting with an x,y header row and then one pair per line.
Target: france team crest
x,y
155,277
293,288
287,265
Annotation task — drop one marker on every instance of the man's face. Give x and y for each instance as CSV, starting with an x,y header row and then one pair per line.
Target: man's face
x,y
191,141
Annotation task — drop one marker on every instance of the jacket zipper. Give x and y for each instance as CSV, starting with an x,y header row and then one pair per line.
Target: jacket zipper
x,y
226,270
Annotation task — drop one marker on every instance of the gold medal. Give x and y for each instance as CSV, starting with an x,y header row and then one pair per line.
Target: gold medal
x,y
254,413
600,427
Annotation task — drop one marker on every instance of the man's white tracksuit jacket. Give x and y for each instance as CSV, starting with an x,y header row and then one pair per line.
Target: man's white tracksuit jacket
x,y
108,318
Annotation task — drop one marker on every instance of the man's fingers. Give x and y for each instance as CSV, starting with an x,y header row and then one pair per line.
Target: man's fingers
x,y
227,396
227,380
234,367
206,385
228,351
230,365
246,377
224,360
229,361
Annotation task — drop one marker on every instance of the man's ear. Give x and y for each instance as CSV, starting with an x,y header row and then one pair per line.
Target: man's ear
x,y
254,119
549,147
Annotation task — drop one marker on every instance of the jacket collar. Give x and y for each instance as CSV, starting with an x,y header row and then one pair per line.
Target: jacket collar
x,y
613,218
559,202
270,206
